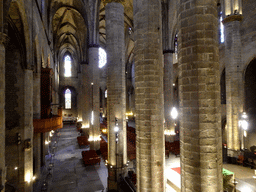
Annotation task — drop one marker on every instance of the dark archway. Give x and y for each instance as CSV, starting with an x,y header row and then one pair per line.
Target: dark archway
x,y
250,88
250,92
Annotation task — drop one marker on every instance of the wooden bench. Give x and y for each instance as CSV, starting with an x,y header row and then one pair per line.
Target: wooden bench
x,y
90,157
83,140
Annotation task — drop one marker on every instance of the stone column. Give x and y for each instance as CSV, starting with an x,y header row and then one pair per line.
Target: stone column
x,y
149,107
3,40
95,122
28,129
116,105
199,89
86,96
234,106
37,115
79,99
104,103
168,91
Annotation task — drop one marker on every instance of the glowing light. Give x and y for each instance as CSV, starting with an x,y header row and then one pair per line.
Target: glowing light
x,y
104,130
15,168
50,134
129,114
34,178
102,57
92,118
86,126
28,177
116,129
244,115
169,132
47,142
174,113
97,138
244,124
245,133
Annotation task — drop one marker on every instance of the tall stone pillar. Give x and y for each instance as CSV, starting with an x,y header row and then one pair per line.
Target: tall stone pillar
x,y
116,105
149,107
28,130
86,96
104,103
79,100
3,40
199,90
95,121
234,81
168,91
37,115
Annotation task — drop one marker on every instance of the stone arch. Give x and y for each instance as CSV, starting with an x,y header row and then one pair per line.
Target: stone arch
x,y
20,12
70,33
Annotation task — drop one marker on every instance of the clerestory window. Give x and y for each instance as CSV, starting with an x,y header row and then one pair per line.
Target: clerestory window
x,y
67,66
102,57
221,29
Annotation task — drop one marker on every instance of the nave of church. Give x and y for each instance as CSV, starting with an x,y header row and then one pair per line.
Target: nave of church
x,y
182,72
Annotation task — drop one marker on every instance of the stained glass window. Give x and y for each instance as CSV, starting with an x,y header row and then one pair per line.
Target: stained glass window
x,y
67,66
176,46
102,57
221,30
67,99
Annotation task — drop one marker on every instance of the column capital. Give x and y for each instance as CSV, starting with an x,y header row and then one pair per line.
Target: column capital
x,y
110,1
4,39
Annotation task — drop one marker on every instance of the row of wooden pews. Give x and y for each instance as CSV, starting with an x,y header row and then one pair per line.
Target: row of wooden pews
x,y
90,157
131,143
82,140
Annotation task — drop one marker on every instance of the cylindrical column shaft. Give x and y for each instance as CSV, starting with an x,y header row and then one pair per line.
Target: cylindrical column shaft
x,y
86,96
234,83
149,108
95,121
116,105
2,110
28,129
37,115
168,91
199,90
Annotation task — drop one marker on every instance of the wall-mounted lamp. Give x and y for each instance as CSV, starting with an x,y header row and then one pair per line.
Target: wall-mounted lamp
x,y
174,113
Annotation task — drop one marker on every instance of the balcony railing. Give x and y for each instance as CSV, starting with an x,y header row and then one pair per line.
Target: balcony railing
x,y
46,125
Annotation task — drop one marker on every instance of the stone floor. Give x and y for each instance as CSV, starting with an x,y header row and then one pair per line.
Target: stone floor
x,y
68,172
65,171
